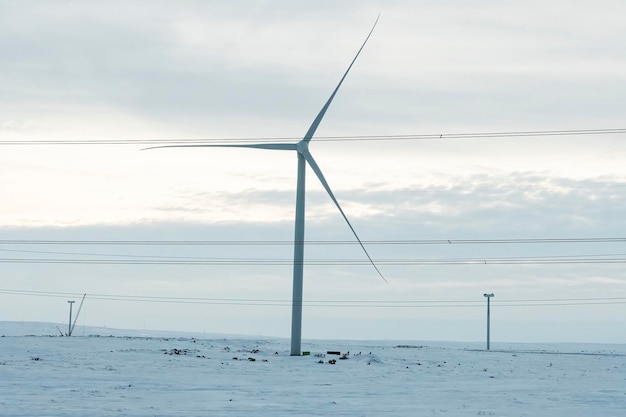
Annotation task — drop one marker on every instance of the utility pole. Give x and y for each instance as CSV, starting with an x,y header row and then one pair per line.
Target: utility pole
x,y
488,296
69,327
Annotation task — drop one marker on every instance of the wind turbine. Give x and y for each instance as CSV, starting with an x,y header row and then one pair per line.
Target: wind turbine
x,y
304,158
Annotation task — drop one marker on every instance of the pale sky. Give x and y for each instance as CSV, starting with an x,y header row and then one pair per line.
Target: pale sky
x,y
160,70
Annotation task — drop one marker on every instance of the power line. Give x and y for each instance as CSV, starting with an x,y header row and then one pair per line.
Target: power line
x,y
134,259
311,242
402,137
321,262
102,254
191,259
199,258
330,303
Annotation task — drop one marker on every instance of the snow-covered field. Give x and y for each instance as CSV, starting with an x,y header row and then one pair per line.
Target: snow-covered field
x,y
133,373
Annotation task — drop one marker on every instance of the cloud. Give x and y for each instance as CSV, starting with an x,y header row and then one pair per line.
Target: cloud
x,y
447,65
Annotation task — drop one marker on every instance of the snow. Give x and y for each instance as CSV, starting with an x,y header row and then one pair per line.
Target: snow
x,y
139,373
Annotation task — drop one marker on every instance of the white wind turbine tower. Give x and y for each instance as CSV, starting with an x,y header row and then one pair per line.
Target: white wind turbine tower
x,y
304,157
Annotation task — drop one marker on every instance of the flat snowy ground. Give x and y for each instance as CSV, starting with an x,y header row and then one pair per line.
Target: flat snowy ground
x,y
132,373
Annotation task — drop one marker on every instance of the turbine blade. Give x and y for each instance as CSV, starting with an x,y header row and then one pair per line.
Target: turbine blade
x,y
271,146
309,134
309,158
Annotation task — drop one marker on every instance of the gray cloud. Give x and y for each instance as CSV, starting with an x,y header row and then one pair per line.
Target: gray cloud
x,y
88,55
518,204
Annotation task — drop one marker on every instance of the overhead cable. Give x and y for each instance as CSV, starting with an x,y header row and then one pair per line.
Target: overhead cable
x,y
331,303
398,137
148,242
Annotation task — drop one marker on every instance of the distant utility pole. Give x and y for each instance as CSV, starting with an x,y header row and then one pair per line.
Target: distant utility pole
x,y
488,296
69,326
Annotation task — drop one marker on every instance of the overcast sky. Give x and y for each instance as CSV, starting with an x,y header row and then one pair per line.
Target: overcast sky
x,y
161,70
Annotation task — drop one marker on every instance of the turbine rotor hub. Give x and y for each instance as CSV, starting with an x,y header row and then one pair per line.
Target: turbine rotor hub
x,y
302,146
